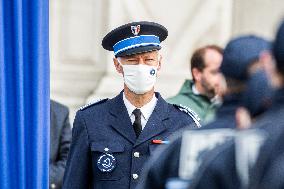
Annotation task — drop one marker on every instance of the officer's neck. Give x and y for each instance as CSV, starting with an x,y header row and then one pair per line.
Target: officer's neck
x,y
138,100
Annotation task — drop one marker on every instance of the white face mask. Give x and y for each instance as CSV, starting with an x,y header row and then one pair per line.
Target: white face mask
x,y
139,78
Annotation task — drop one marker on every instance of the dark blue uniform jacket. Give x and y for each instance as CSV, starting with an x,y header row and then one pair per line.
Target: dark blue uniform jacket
x,y
268,171
221,172
218,170
165,165
107,125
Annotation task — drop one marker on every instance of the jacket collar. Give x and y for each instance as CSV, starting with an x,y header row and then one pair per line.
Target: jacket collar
x,y
122,124
155,124
230,104
121,121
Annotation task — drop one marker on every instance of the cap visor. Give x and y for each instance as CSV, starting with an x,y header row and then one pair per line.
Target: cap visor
x,y
138,50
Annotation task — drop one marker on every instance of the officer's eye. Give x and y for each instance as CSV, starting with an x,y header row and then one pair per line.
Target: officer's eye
x,y
132,61
149,59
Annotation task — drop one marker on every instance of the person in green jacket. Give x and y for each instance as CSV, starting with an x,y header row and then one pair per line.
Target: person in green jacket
x,y
200,93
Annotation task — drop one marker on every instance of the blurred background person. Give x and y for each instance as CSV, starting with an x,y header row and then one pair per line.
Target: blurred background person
x,y
239,56
268,169
198,94
229,166
60,140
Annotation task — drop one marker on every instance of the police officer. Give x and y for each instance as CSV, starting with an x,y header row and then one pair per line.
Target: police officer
x,y
268,170
240,56
113,138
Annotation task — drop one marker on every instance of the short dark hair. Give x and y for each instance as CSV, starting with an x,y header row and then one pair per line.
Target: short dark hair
x,y
197,59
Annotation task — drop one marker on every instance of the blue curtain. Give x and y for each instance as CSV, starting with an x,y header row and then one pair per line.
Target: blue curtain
x,y
24,94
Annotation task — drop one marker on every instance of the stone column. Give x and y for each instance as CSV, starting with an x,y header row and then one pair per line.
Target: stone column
x,y
76,57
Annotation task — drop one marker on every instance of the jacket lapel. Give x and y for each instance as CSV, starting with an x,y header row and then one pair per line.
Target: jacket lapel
x,y
155,125
120,120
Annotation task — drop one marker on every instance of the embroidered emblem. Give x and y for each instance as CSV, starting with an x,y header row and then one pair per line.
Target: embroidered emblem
x,y
106,163
152,72
135,29
93,103
190,112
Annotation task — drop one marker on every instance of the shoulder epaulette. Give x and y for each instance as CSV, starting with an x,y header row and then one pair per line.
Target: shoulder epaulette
x,y
190,112
93,103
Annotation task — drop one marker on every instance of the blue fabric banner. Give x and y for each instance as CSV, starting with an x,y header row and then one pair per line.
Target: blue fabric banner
x,y
24,94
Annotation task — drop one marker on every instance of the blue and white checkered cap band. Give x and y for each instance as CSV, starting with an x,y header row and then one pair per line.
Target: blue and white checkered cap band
x,y
134,42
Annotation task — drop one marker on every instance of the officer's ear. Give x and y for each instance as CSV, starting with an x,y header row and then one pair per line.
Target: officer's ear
x,y
159,62
117,65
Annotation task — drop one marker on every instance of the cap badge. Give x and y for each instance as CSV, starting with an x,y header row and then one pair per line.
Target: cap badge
x,y
135,29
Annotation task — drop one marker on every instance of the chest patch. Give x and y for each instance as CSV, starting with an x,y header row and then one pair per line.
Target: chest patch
x,y
106,162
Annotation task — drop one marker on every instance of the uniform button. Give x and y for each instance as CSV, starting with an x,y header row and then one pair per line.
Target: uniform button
x,y
134,176
136,154
53,185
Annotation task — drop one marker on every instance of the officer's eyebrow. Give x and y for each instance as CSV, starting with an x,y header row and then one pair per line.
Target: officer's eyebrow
x,y
129,57
153,55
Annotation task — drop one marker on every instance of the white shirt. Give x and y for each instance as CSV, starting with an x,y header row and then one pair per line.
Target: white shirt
x,y
146,110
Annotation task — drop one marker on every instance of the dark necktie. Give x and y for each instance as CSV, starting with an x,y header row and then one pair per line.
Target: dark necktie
x,y
137,123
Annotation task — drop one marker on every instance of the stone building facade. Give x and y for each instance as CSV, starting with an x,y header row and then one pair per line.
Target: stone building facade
x,y
82,71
